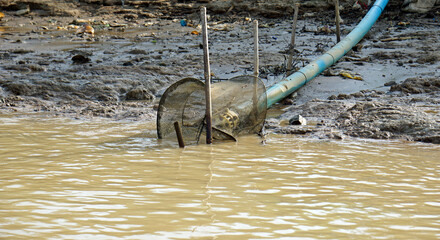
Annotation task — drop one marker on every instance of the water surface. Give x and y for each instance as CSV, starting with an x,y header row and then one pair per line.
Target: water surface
x,y
99,179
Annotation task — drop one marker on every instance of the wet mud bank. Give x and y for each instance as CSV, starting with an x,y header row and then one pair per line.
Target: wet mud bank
x,y
51,62
408,111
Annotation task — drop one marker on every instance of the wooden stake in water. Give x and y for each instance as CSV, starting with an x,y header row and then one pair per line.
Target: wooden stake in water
x,y
208,113
338,19
179,134
292,39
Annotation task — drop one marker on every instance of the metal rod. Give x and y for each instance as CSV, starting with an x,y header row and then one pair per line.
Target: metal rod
x,y
179,134
338,19
207,69
292,39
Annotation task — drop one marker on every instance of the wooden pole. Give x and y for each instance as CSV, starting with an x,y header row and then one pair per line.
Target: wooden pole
x,y
179,134
256,57
207,69
338,18
292,39
256,67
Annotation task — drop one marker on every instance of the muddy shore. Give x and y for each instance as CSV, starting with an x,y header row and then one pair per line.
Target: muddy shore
x,y
50,65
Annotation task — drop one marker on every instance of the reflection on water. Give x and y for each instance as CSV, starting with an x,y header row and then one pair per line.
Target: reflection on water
x,y
70,179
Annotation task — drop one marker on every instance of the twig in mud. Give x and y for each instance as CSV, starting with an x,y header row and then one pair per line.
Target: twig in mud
x,y
353,59
396,39
295,60
426,23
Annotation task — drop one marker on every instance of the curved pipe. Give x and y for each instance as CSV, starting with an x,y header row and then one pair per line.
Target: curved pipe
x,y
296,80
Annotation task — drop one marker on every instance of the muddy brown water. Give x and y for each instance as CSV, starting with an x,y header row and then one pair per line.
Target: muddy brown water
x,y
102,179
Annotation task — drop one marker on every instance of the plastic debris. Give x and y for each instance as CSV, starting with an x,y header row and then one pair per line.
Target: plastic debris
x,y
183,23
71,26
403,24
297,120
195,32
324,29
362,5
86,29
347,74
222,27
2,15
22,12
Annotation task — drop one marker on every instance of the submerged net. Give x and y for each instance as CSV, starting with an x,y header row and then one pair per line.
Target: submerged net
x,y
238,108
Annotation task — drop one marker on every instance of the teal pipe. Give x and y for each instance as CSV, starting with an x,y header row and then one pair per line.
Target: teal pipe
x,y
293,82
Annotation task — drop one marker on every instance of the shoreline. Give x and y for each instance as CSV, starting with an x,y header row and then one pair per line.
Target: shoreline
x,y
120,72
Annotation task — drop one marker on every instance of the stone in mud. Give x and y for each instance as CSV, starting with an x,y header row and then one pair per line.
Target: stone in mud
x,y
80,59
297,120
139,93
128,63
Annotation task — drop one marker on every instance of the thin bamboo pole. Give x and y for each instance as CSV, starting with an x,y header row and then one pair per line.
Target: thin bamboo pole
x,y
207,69
256,57
256,66
292,39
338,19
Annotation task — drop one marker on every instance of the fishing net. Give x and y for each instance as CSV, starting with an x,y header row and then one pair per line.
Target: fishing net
x,y
238,108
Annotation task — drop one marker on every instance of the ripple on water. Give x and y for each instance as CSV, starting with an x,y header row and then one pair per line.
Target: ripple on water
x,y
63,179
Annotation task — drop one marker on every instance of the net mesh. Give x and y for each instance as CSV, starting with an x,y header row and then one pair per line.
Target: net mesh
x,y
238,108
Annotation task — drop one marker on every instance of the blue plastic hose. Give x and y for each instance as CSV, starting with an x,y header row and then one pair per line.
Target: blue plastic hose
x,y
296,80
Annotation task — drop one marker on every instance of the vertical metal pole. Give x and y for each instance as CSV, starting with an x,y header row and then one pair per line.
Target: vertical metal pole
x,y
338,18
292,40
179,134
208,112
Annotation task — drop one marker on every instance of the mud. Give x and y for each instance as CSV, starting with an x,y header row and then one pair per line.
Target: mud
x,y
409,111
51,64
